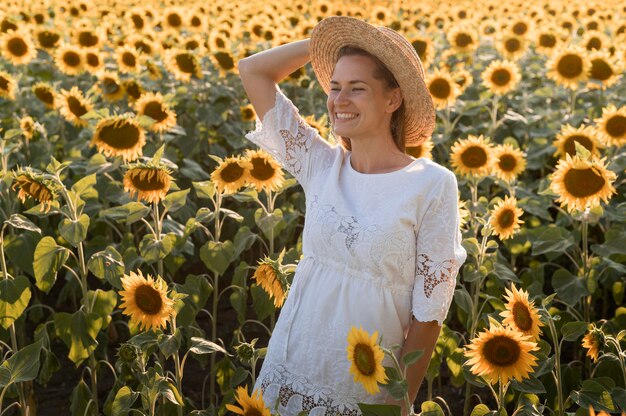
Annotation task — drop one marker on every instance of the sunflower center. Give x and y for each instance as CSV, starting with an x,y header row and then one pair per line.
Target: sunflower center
x,y
261,170
48,39
364,359
501,351
44,95
616,126
507,163
185,63
17,46
570,143
144,180
129,59
440,88
148,299
76,107
137,21
174,20
231,172
87,39
4,83
594,43
132,88
195,21
155,110
474,157
520,28
109,86
501,77
71,58
192,44
420,47
521,316
506,218
601,70
463,39
225,60
570,66
92,60
583,182
120,135
547,41
512,45
253,411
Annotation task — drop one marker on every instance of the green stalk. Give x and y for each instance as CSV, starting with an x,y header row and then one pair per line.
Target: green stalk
x,y
494,114
407,402
585,261
177,368
157,233
557,354
215,296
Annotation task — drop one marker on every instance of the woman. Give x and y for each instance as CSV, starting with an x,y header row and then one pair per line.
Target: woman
x,y
381,241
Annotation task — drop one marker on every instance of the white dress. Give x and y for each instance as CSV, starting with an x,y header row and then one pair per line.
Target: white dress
x,y
377,248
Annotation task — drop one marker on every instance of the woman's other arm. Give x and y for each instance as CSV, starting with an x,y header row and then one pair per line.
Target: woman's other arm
x,y
421,336
261,72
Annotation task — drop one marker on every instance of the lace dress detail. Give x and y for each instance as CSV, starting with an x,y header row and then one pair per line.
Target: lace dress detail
x,y
377,249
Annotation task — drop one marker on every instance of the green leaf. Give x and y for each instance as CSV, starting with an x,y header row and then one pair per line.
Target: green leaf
x,y
14,297
379,409
21,222
74,232
529,385
170,392
11,133
198,290
124,399
156,158
21,366
550,239
78,331
152,249
243,240
80,400
102,304
480,410
205,189
217,255
568,287
49,258
109,265
169,344
581,150
268,223
129,213
573,330
614,243
463,300
430,408
203,346
412,357
84,188
176,200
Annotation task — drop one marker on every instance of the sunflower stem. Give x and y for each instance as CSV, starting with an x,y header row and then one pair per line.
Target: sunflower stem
x,y
177,367
585,262
494,114
572,103
407,402
557,363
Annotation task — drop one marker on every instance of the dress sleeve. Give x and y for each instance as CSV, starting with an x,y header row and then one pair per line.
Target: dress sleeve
x,y
439,254
285,135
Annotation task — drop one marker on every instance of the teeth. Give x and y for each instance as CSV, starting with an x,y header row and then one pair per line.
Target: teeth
x,y
346,116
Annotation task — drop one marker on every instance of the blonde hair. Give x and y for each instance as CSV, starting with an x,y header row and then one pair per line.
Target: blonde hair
x,y
380,72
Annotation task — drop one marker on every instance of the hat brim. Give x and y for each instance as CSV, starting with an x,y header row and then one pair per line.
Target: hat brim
x,y
334,32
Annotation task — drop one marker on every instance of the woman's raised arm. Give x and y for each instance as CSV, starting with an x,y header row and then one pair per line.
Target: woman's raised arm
x,y
261,72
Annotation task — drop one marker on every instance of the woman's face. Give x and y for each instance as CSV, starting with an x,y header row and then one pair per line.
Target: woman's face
x,y
359,104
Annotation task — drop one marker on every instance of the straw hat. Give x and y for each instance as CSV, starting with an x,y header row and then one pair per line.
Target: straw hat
x,y
330,34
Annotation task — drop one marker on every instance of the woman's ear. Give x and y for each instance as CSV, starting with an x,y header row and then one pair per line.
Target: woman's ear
x,y
395,100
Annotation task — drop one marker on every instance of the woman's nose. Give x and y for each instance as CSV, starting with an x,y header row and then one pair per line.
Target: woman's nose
x,y
341,98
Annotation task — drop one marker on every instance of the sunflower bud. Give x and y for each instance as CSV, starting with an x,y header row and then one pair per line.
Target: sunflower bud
x,y
128,353
245,351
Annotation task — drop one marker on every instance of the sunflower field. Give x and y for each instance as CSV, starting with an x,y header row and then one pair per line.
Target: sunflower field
x,y
147,246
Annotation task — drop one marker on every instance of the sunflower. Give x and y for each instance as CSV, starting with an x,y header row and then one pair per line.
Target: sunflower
x,y
422,150
7,86
603,70
521,27
231,174
512,47
45,93
442,88
587,136
94,60
33,184
47,38
224,62
272,281
151,104
27,125
88,38
505,218
73,105
110,88
133,89
521,313
319,123
183,64
509,162
250,405
154,72
128,59
582,183
546,41
611,126
595,40
380,15
462,77
501,353
569,66
150,181
366,357
119,136
593,341
501,77
247,112
69,59
174,18
424,47
145,300
17,47
472,156
464,213
265,172
462,38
